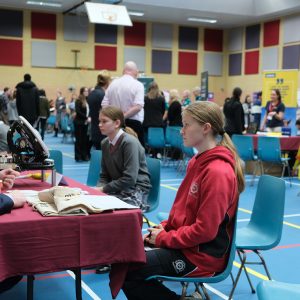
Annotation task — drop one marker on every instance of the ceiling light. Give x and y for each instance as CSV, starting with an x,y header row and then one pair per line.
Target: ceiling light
x,y
136,13
202,20
41,3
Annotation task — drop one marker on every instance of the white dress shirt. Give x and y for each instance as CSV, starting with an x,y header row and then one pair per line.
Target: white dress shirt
x,y
126,92
116,138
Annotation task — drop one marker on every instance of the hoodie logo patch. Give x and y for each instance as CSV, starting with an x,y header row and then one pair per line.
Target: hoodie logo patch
x,y
194,188
179,265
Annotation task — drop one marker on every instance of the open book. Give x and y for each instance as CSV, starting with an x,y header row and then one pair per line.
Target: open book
x,y
65,201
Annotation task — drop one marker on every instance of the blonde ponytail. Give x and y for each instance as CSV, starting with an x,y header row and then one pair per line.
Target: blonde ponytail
x,y
226,142
130,131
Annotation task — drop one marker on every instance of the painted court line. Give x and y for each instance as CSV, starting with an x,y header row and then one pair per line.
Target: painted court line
x,y
251,271
173,179
215,291
85,287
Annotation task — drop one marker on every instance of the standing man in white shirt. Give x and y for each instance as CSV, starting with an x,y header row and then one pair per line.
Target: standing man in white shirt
x,y
127,93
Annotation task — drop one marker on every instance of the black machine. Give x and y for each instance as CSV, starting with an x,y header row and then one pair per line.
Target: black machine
x,y
29,152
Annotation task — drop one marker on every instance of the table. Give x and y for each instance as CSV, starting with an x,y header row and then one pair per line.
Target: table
x,y
32,244
287,143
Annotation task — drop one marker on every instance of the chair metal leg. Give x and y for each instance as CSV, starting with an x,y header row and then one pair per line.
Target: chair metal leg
x,y
184,290
254,173
263,263
261,167
246,272
146,220
289,171
231,276
204,291
243,260
283,169
30,279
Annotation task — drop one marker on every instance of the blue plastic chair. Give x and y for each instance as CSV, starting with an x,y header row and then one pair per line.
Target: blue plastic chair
x,y
94,168
57,156
269,150
153,197
199,281
244,146
156,137
273,290
263,232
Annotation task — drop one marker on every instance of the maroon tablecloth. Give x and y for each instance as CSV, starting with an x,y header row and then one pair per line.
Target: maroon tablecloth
x,y
286,143
32,244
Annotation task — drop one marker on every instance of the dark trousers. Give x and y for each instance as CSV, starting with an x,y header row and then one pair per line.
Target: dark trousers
x,y
256,120
42,127
8,283
138,128
81,142
166,262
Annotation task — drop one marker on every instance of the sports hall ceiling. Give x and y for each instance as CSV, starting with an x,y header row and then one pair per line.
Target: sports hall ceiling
x,y
228,13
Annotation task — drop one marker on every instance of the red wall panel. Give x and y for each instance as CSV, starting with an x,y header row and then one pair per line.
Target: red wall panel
x,y
135,35
43,26
251,62
213,40
271,33
11,52
105,58
187,63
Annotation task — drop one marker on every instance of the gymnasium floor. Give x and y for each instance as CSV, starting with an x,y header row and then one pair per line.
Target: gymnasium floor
x,y
283,261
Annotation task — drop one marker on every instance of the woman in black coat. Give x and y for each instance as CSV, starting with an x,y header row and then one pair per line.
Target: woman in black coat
x,y
81,121
154,108
234,113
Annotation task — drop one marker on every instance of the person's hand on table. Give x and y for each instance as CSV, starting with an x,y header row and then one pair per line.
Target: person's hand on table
x,y
153,233
18,198
8,177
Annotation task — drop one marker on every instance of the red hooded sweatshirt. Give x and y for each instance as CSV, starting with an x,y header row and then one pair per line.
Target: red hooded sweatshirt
x,y
201,219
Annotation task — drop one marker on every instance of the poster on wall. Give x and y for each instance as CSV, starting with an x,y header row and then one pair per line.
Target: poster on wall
x,y
284,80
204,85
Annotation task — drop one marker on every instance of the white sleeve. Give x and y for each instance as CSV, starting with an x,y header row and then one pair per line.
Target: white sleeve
x,y
139,95
105,101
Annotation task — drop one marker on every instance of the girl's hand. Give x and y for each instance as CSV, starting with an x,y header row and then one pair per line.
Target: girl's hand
x,y
153,233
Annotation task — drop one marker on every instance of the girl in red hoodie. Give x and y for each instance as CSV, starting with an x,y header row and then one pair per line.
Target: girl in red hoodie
x,y
195,240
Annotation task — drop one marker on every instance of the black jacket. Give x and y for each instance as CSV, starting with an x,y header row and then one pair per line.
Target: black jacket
x,y
174,114
94,100
6,204
81,113
28,101
234,116
154,110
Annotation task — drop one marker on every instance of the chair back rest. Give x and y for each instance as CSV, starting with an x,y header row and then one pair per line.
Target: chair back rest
x,y
175,137
156,137
154,170
268,209
268,149
168,135
57,156
244,146
94,168
188,151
